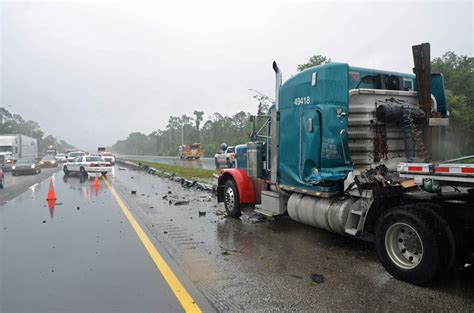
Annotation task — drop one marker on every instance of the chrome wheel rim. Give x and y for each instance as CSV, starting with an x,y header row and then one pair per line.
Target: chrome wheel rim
x,y
229,198
404,246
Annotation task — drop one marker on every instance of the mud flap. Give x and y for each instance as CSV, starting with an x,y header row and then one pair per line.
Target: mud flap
x,y
220,193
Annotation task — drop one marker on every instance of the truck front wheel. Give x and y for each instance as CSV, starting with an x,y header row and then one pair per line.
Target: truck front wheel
x,y
231,199
414,244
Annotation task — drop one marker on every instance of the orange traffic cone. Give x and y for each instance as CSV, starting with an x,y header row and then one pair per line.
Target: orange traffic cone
x,y
96,181
51,193
51,204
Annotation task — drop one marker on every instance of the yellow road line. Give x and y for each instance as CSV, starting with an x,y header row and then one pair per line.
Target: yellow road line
x,y
183,296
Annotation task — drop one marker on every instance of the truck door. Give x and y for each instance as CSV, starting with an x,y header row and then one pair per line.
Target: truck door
x,y
310,145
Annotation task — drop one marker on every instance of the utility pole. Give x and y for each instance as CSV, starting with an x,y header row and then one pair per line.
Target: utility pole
x,y
182,134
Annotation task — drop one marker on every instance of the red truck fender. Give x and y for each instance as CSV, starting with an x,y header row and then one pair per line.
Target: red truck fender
x,y
243,182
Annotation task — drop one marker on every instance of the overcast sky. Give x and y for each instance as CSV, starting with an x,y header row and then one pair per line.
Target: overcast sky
x,y
93,73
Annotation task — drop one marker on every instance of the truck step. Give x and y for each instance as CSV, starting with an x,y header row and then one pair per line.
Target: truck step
x,y
351,231
356,212
260,210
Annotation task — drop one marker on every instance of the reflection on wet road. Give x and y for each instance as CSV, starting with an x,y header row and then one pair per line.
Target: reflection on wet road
x,y
206,163
257,264
79,255
15,185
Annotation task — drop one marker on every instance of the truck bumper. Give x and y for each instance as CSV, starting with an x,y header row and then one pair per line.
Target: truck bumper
x,y
94,169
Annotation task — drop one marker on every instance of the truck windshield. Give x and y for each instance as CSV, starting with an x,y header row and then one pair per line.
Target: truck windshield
x,y
6,148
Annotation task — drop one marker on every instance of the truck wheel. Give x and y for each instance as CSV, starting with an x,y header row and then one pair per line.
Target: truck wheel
x,y
413,244
65,170
104,174
217,164
2,183
231,199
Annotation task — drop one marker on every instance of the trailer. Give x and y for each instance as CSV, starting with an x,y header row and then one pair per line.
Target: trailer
x,y
348,150
14,147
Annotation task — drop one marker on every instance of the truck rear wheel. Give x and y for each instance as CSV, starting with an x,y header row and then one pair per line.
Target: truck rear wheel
x,y
414,244
231,199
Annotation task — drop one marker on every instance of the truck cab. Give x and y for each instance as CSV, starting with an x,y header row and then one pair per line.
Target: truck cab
x,y
329,156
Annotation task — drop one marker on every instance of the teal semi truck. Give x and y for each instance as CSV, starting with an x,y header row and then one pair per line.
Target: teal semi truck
x,y
348,150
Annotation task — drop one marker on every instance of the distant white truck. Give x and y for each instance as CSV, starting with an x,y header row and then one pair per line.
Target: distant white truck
x,y
16,146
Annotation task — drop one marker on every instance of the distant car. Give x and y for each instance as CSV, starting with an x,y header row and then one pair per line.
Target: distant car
x,y
26,166
87,164
61,157
49,161
109,157
2,179
226,158
71,156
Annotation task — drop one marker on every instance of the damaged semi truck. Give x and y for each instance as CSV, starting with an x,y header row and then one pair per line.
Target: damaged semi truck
x,y
349,150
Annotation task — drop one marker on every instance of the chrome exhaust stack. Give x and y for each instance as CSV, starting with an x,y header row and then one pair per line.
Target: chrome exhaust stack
x,y
277,84
275,128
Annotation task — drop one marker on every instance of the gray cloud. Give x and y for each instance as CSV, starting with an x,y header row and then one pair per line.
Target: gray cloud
x,y
92,73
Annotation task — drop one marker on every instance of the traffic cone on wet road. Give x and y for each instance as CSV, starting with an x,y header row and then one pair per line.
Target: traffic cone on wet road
x,y
96,181
51,193
51,204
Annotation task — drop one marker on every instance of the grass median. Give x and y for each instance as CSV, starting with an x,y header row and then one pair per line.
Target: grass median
x,y
199,174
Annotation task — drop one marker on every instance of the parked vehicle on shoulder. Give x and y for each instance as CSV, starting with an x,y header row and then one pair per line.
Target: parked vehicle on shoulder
x,y
26,166
49,161
71,156
61,157
85,165
226,158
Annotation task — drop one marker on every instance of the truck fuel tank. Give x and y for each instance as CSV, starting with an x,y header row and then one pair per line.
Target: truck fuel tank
x,y
327,213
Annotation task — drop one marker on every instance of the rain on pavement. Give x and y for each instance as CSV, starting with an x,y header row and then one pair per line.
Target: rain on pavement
x,y
79,255
254,263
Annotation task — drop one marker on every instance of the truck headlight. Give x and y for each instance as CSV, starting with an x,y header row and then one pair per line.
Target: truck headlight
x,y
13,167
42,162
53,162
33,166
9,161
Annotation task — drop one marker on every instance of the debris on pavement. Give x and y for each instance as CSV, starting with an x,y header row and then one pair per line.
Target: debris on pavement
x,y
181,202
202,213
317,278
134,192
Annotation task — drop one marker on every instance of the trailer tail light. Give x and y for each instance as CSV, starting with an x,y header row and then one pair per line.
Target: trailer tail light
x,y
232,156
109,164
92,165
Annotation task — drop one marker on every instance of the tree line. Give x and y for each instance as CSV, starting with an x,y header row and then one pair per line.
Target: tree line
x,y
458,71
15,124
211,132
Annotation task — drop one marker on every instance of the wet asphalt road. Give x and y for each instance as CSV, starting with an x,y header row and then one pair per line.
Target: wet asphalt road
x,y
91,260
255,264
80,256
206,163
15,185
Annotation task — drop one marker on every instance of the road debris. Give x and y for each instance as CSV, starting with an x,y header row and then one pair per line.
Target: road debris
x,y
134,192
202,213
181,202
317,278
